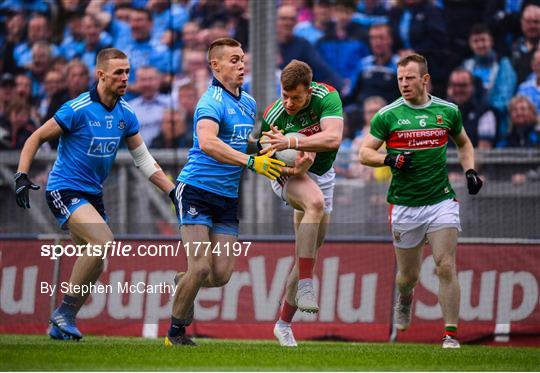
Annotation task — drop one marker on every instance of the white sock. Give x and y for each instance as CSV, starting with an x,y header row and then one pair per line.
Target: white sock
x,y
282,323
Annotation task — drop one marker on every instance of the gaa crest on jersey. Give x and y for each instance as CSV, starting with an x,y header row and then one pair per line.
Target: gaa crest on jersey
x,y
121,124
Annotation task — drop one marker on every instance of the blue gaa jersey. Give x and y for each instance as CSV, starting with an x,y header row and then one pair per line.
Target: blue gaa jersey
x,y
88,146
235,116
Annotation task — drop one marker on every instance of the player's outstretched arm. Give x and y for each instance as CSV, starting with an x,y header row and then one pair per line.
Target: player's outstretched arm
x,y
50,130
207,133
147,164
466,158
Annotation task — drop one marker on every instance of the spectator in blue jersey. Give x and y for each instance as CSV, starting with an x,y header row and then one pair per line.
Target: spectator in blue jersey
x,y
342,45
419,25
14,28
524,47
90,129
73,36
292,47
41,61
369,13
524,129
95,39
531,87
141,50
150,104
376,73
496,73
190,35
208,185
315,29
168,16
479,119
39,29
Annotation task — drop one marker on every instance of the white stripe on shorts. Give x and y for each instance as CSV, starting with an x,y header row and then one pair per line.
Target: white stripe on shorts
x,y
179,190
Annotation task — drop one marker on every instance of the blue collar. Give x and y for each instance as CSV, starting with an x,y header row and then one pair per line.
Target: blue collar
x,y
94,96
217,83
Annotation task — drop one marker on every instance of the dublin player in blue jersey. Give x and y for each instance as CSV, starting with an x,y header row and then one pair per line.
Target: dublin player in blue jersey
x,y
207,189
91,128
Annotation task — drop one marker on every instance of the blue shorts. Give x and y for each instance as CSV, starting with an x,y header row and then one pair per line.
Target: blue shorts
x,y
64,202
197,206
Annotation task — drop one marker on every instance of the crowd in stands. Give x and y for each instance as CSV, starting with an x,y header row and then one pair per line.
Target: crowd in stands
x,y
483,56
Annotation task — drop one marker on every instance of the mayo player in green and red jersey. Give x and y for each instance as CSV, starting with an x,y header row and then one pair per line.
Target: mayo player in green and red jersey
x,y
416,128
315,110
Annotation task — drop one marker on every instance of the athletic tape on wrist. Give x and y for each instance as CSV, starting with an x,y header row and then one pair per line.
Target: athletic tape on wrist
x,y
144,160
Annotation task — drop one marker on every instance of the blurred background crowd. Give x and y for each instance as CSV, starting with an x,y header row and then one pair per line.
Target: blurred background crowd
x,y
483,56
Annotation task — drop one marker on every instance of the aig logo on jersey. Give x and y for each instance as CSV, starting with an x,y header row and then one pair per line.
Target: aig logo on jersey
x,y
103,146
240,133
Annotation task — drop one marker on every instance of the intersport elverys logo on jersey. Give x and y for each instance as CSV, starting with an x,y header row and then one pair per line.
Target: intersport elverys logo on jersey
x,y
418,138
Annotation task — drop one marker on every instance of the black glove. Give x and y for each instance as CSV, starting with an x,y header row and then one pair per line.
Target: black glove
x,y
400,161
22,185
172,196
474,183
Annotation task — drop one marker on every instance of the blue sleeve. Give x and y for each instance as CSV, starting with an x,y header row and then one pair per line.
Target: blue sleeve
x,y
209,109
65,117
133,126
321,71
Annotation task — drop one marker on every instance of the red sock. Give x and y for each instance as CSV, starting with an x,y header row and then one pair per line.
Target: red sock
x,y
287,312
305,268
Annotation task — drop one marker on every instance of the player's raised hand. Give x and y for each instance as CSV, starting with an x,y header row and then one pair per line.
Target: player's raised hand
x,y
264,165
474,183
276,139
22,186
400,161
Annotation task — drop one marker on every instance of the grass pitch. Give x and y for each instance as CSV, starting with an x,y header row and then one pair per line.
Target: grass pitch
x,y
21,352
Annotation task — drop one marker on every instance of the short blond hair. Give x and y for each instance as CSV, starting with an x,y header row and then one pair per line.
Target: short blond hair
x,y
109,54
217,46
296,73
419,59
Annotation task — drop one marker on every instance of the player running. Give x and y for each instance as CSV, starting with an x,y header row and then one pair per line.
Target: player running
x,y
416,128
315,110
208,185
91,128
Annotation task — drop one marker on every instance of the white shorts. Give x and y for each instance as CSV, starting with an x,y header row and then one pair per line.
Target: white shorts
x,y
411,224
326,183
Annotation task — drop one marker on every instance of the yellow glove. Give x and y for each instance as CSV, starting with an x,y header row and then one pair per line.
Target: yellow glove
x,y
265,165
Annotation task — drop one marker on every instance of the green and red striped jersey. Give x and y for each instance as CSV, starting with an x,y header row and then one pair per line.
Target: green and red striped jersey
x,y
424,130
